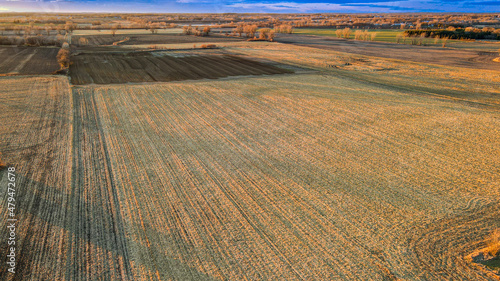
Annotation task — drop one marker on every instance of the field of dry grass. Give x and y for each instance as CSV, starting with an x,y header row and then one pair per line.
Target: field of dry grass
x,y
374,170
318,179
36,138
477,59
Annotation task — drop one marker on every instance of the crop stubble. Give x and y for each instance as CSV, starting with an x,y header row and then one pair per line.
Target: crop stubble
x,y
293,177
304,182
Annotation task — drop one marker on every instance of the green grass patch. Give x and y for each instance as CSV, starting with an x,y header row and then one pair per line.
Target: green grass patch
x,y
383,35
390,36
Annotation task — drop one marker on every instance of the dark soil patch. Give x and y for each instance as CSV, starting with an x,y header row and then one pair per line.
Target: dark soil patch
x,y
136,67
28,60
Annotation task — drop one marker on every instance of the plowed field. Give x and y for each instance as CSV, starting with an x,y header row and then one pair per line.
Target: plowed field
x,y
28,60
145,67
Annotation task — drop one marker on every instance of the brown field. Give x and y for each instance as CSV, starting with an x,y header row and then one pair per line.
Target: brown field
x,y
148,39
100,40
101,68
433,55
28,60
36,137
360,168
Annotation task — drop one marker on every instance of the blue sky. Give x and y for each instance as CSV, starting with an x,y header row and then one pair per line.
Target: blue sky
x,y
250,6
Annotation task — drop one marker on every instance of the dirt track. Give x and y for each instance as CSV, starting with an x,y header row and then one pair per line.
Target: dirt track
x,y
441,56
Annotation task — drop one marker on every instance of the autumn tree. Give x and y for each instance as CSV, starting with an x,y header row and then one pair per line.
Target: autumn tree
x,y
358,35
238,30
346,32
250,30
63,56
263,33
113,30
187,30
338,33
83,41
270,35
206,30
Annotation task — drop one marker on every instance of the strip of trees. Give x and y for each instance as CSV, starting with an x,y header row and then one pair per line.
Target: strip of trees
x,y
458,33
189,30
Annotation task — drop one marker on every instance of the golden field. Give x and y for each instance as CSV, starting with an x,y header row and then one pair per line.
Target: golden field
x,y
379,169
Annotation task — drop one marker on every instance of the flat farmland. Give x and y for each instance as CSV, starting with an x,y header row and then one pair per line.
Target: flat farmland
x,y
106,38
36,137
101,68
373,170
321,178
477,59
28,60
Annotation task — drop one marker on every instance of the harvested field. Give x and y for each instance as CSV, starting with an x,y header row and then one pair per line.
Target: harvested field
x,y
100,40
154,67
127,32
434,55
153,39
241,180
35,137
178,39
28,60
348,173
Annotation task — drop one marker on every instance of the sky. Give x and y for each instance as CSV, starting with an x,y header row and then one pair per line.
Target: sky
x,y
251,6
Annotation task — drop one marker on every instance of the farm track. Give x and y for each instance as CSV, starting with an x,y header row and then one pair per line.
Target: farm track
x,y
93,213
